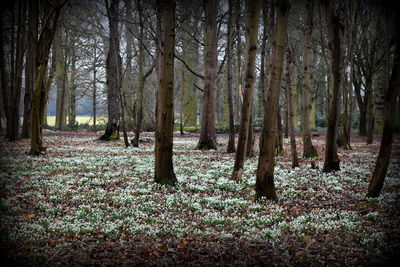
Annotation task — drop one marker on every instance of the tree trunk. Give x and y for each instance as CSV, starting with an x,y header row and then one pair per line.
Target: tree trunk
x,y
308,148
191,57
382,163
250,136
251,27
30,67
94,82
208,138
346,118
286,118
113,74
164,172
335,33
345,136
261,87
383,79
362,130
289,69
238,89
13,41
265,186
369,95
231,141
279,134
72,92
40,93
141,62
60,59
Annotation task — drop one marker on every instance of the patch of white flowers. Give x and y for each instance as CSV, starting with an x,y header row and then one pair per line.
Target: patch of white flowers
x,y
105,189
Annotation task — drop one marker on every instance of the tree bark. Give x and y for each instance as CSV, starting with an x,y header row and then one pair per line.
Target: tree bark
x,y
113,74
41,89
335,33
369,95
382,163
231,141
30,67
308,148
208,138
141,62
238,89
265,186
13,40
94,84
250,135
60,59
191,57
261,87
289,69
251,27
279,133
164,172
72,91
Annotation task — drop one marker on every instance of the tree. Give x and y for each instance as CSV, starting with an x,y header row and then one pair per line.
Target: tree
x,y
382,162
30,66
60,59
289,69
335,34
265,186
261,87
12,50
51,13
348,44
190,53
251,27
368,56
231,141
164,171
308,148
113,69
208,138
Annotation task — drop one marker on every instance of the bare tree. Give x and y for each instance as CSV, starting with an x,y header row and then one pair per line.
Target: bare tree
x,y
12,50
265,186
30,66
164,171
289,70
335,33
382,162
308,148
252,12
51,13
231,141
113,68
208,138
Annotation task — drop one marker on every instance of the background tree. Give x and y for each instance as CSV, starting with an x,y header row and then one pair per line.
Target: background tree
x,y
60,59
382,163
308,148
231,141
12,50
50,15
265,186
30,65
289,69
335,35
251,28
207,133
164,172
113,74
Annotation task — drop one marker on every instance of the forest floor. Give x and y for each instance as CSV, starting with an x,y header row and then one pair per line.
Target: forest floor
x,y
86,202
